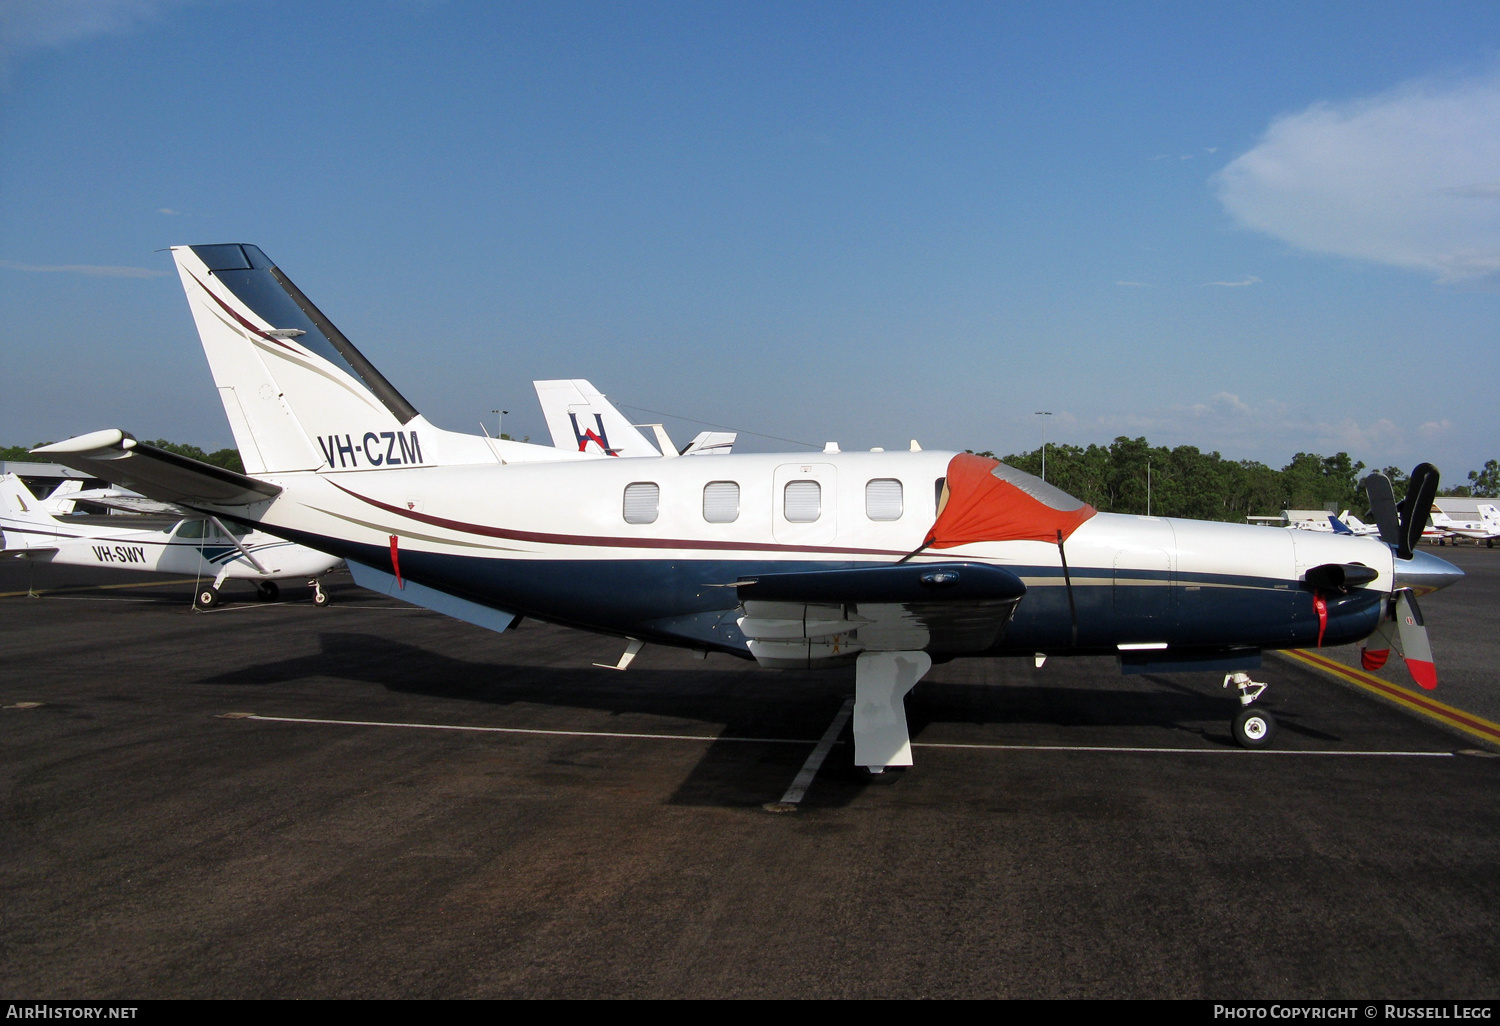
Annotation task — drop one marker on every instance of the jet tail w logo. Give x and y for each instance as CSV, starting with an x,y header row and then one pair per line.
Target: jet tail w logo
x,y
588,435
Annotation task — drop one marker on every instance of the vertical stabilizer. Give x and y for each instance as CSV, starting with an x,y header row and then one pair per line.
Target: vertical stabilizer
x,y
580,419
297,393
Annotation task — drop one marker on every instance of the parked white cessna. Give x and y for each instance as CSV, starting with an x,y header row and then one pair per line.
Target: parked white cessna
x,y
888,560
207,547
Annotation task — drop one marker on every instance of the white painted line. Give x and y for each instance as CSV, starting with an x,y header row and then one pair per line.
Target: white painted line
x,y
804,779
519,730
1172,751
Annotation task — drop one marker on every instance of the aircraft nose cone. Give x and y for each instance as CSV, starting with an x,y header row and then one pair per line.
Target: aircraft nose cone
x,y
1424,573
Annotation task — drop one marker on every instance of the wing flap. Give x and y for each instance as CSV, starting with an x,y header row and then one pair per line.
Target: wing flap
x,y
120,459
825,616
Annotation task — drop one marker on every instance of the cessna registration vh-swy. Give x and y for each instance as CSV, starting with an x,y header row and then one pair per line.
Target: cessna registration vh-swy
x,y
886,560
204,546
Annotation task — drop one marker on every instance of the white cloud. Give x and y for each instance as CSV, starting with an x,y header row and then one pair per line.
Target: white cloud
x,y
1247,280
34,24
1134,284
95,270
169,211
1405,178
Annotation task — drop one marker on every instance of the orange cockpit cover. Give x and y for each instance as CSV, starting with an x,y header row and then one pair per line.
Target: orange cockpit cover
x,y
984,506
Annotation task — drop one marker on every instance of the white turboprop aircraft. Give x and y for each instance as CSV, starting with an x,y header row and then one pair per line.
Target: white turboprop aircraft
x,y
886,560
207,547
579,416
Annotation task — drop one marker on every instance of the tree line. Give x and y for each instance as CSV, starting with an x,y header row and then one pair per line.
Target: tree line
x,y
1187,482
229,459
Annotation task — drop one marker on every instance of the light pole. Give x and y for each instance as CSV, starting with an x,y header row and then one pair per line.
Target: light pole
x,y
499,420
1044,413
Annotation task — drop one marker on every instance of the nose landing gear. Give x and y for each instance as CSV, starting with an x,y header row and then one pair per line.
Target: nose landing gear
x,y
320,597
1251,727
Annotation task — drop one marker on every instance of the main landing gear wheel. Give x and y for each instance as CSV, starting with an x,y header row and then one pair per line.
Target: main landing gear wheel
x,y
208,598
266,591
1253,728
320,597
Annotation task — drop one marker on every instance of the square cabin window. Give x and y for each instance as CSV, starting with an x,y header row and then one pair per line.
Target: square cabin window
x,y
803,501
642,500
721,502
883,499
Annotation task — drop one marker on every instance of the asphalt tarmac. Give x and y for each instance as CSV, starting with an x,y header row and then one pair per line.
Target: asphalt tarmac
x,y
1066,832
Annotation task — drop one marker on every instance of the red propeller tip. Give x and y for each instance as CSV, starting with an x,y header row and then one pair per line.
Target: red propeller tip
x,y
1423,672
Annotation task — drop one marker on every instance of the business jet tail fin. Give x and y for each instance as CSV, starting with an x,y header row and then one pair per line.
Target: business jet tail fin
x,y
581,419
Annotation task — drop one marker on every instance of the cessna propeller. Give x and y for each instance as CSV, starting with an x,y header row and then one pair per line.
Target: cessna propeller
x,y
1401,527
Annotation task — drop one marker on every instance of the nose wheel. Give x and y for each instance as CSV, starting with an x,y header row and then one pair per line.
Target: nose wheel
x,y
320,597
1251,727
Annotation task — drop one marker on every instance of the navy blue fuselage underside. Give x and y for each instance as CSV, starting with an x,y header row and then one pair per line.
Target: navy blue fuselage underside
x,y
693,602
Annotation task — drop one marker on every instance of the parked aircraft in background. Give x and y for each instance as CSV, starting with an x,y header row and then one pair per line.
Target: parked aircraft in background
x,y
580,417
1347,523
1483,525
203,546
886,560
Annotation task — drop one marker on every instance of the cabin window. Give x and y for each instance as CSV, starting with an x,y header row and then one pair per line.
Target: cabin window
x,y
642,501
937,494
803,501
721,502
883,499
190,529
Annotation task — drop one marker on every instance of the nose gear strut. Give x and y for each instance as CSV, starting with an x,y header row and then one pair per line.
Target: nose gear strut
x,y
1251,727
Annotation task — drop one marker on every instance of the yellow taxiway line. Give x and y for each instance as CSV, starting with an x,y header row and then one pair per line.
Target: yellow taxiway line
x,y
1475,726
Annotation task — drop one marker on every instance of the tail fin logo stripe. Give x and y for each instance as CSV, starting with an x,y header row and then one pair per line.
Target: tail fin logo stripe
x,y
235,314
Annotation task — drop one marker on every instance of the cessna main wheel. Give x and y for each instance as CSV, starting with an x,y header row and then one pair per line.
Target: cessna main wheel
x,y
208,598
1253,728
266,591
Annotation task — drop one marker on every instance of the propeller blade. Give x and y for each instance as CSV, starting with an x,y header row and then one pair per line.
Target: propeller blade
x,y
1383,507
1416,507
1373,655
1415,647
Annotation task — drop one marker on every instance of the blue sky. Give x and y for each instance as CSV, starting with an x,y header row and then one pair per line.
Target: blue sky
x,y
1255,228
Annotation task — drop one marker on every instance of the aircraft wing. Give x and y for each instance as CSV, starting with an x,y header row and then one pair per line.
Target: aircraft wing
x,y
116,499
792,618
120,459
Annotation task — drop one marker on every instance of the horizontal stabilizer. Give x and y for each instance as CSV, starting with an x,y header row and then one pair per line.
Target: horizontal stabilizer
x,y
711,443
120,459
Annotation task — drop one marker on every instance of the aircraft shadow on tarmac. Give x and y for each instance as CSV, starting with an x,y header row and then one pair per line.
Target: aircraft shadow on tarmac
x,y
740,701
